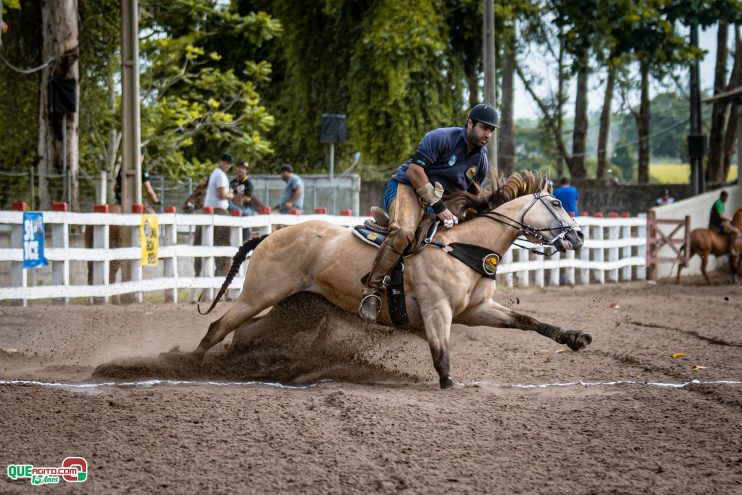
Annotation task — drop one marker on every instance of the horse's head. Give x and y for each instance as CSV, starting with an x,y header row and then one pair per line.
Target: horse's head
x,y
542,220
523,202
196,200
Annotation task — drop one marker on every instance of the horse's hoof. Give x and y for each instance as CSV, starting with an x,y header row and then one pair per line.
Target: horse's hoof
x,y
579,340
446,382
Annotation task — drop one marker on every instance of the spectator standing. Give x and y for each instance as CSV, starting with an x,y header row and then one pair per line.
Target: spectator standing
x,y
292,197
217,192
665,199
242,188
569,196
151,194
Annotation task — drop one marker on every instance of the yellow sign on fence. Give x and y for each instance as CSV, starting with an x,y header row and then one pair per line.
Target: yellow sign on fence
x,y
149,238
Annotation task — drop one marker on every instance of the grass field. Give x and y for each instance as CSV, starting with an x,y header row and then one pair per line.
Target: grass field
x,y
677,173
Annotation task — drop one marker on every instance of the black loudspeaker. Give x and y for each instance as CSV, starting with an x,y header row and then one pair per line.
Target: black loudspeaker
x,y
333,128
63,96
697,145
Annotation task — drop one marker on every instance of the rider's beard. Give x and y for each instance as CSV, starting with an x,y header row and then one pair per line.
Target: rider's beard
x,y
471,139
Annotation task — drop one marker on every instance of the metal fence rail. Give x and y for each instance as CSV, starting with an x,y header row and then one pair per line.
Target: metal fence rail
x,y
614,250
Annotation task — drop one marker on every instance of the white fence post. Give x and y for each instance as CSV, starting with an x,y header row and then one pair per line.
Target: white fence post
x,y
569,272
626,253
135,266
554,272
170,264
521,277
207,264
18,275
101,269
597,255
612,274
584,273
507,259
641,251
538,276
61,268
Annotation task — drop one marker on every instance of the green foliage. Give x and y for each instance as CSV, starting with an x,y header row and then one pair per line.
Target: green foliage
x,y
19,93
193,107
100,39
398,92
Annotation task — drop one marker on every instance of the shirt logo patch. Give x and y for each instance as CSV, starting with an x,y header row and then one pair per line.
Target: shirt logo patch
x,y
452,160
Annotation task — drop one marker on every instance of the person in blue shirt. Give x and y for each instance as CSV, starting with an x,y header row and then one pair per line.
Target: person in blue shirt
x,y
569,197
448,159
292,197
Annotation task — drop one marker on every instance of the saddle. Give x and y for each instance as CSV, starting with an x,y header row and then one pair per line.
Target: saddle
x,y
374,231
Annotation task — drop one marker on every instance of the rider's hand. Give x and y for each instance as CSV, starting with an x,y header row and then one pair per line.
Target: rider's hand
x,y
288,205
448,218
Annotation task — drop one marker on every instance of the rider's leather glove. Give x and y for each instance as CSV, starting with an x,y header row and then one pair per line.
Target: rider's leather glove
x,y
429,194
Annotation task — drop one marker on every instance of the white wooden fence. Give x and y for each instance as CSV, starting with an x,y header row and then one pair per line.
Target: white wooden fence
x,y
614,251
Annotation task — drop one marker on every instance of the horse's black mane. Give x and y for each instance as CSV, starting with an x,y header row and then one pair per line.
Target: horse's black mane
x,y
466,205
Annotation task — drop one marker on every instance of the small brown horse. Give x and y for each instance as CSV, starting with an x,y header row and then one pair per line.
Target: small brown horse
x,y
705,242
327,259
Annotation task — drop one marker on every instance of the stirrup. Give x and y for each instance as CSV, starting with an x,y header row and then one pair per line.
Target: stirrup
x,y
370,307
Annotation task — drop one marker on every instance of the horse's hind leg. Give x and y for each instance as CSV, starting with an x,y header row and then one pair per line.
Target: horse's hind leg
x,y
239,313
491,314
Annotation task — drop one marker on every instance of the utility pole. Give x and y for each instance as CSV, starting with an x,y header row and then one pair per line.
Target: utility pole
x,y
697,144
490,79
131,168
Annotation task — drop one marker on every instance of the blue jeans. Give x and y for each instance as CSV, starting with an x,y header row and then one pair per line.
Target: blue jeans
x,y
391,192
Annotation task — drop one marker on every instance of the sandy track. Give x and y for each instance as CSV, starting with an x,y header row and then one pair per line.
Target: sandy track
x,y
382,424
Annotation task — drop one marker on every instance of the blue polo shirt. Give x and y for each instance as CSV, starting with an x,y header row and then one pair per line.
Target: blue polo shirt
x,y
446,159
568,195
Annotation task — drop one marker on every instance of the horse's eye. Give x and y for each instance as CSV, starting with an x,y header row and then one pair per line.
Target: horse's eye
x,y
556,203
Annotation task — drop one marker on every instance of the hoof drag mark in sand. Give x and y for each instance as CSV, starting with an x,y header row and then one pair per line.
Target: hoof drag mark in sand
x,y
302,340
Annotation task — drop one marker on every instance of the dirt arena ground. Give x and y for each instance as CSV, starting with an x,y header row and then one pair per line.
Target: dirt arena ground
x,y
364,412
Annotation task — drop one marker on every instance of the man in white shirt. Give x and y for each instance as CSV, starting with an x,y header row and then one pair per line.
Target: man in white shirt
x,y
217,192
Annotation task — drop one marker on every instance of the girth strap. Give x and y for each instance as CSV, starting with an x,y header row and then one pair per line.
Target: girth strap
x,y
479,259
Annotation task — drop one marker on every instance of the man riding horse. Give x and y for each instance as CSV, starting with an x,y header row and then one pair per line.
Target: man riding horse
x,y
721,224
448,159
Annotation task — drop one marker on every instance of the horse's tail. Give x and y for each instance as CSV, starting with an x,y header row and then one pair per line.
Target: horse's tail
x,y
239,257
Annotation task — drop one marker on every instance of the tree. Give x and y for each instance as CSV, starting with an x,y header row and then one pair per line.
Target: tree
x,y
58,133
705,13
19,98
192,107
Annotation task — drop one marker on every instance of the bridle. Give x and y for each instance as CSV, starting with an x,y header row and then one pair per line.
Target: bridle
x,y
526,230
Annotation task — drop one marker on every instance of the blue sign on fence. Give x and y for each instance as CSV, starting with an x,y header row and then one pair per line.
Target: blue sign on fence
x,y
33,240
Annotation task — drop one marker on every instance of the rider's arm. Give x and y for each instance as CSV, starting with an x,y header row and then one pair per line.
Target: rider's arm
x,y
429,194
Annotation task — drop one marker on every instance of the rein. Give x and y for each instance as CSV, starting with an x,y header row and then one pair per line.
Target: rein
x,y
526,230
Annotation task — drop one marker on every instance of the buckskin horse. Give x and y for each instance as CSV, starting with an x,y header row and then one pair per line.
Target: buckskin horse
x,y
704,242
327,259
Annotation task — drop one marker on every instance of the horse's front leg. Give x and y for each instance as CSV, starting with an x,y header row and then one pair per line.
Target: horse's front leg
x,y
491,314
437,330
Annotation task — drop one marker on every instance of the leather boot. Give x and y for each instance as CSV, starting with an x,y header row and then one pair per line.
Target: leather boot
x,y
386,259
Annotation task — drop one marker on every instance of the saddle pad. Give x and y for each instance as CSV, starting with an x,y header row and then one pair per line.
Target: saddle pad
x,y
369,236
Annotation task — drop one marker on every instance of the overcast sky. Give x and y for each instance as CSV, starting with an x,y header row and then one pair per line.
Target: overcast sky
x,y
525,107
